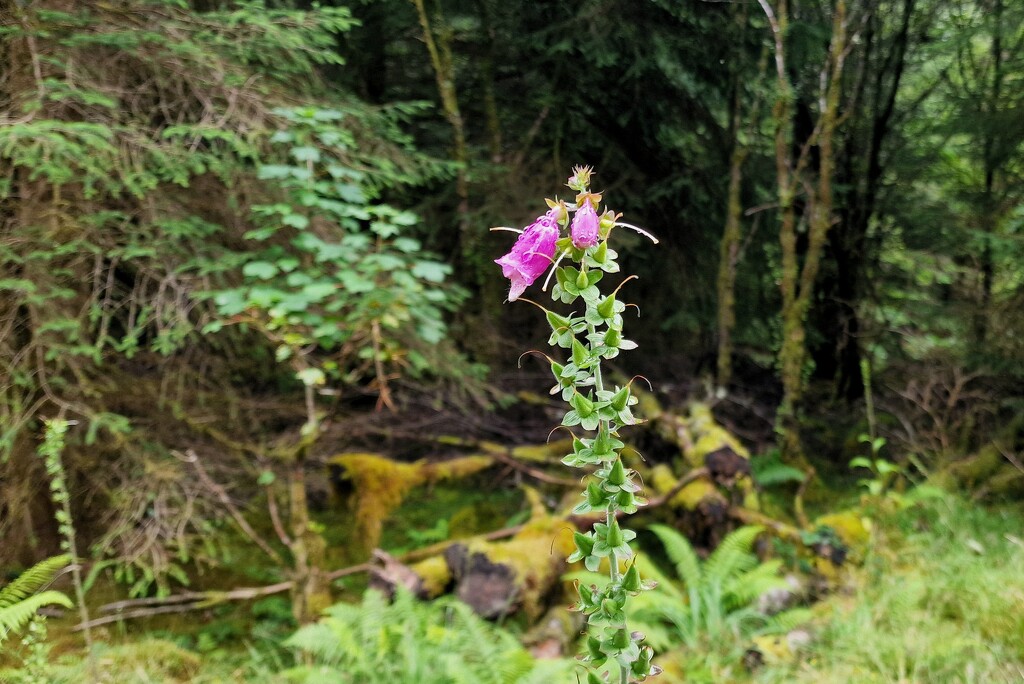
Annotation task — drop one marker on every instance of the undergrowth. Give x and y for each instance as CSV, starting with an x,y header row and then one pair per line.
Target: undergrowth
x,y
940,599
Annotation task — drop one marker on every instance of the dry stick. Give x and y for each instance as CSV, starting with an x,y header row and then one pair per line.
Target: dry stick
x,y
536,474
694,474
190,456
178,604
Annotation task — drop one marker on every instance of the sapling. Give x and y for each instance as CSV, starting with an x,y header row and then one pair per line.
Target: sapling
x,y
576,234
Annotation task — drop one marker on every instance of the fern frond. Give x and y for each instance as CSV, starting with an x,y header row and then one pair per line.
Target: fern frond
x,y
16,615
547,671
732,556
32,580
747,587
788,620
680,552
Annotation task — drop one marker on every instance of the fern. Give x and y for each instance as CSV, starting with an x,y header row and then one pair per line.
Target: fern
x,y
32,580
408,642
709,601
19,600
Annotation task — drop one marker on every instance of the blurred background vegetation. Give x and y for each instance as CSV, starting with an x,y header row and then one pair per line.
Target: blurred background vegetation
x,y
246,274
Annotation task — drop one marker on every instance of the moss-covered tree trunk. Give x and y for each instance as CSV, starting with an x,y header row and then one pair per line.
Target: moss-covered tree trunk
x,y
728,257
729,249
797,279
444,71
310,593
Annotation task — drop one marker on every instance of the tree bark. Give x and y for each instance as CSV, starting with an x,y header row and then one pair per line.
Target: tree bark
x,y
797,280
444,72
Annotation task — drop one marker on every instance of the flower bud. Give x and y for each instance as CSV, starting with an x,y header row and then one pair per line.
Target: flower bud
x,y
585,226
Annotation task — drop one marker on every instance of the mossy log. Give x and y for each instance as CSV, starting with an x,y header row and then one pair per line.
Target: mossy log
x,y
378,484
718,461
497,578
494,577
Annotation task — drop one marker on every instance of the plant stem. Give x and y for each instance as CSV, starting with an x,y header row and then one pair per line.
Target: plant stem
x,y
613,560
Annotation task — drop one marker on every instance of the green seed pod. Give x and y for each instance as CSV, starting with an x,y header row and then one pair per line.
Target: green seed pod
x,y
612,337
631,580
607,307
582,282
614,537
558,323
617,474
583,406
620,400
579,353
601,253
620,639
584,543
595,495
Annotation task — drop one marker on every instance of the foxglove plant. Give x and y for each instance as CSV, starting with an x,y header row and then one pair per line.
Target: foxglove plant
x,y
594,407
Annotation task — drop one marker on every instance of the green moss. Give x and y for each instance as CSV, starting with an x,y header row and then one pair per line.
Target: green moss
x,y
689,497
435,575
380,484
709,436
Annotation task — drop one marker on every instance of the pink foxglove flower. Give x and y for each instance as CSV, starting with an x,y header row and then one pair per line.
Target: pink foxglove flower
x,y
531,255
585,225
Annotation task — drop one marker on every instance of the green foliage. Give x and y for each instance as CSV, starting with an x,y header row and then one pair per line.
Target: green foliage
x,y
21,598
407,641
711,602
952,615
332,269
769,470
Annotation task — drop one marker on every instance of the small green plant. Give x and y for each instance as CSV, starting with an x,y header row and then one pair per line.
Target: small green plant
x,y
50,451
884,473
711,604
939,600
20,599
333,277
411,642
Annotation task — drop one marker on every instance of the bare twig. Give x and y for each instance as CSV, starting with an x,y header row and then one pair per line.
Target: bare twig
x,y
190,456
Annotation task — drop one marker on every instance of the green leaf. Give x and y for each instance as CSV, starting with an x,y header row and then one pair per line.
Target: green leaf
x,y
263,270
298,221
431,271
311,377
305,154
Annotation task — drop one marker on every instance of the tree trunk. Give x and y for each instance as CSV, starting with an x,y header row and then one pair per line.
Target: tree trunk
x,y
444,71
797,280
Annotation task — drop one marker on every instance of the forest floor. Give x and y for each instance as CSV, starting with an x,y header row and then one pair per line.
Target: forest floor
x,y
938,597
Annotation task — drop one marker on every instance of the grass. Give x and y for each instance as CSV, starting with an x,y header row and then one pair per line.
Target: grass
x,y
939,599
